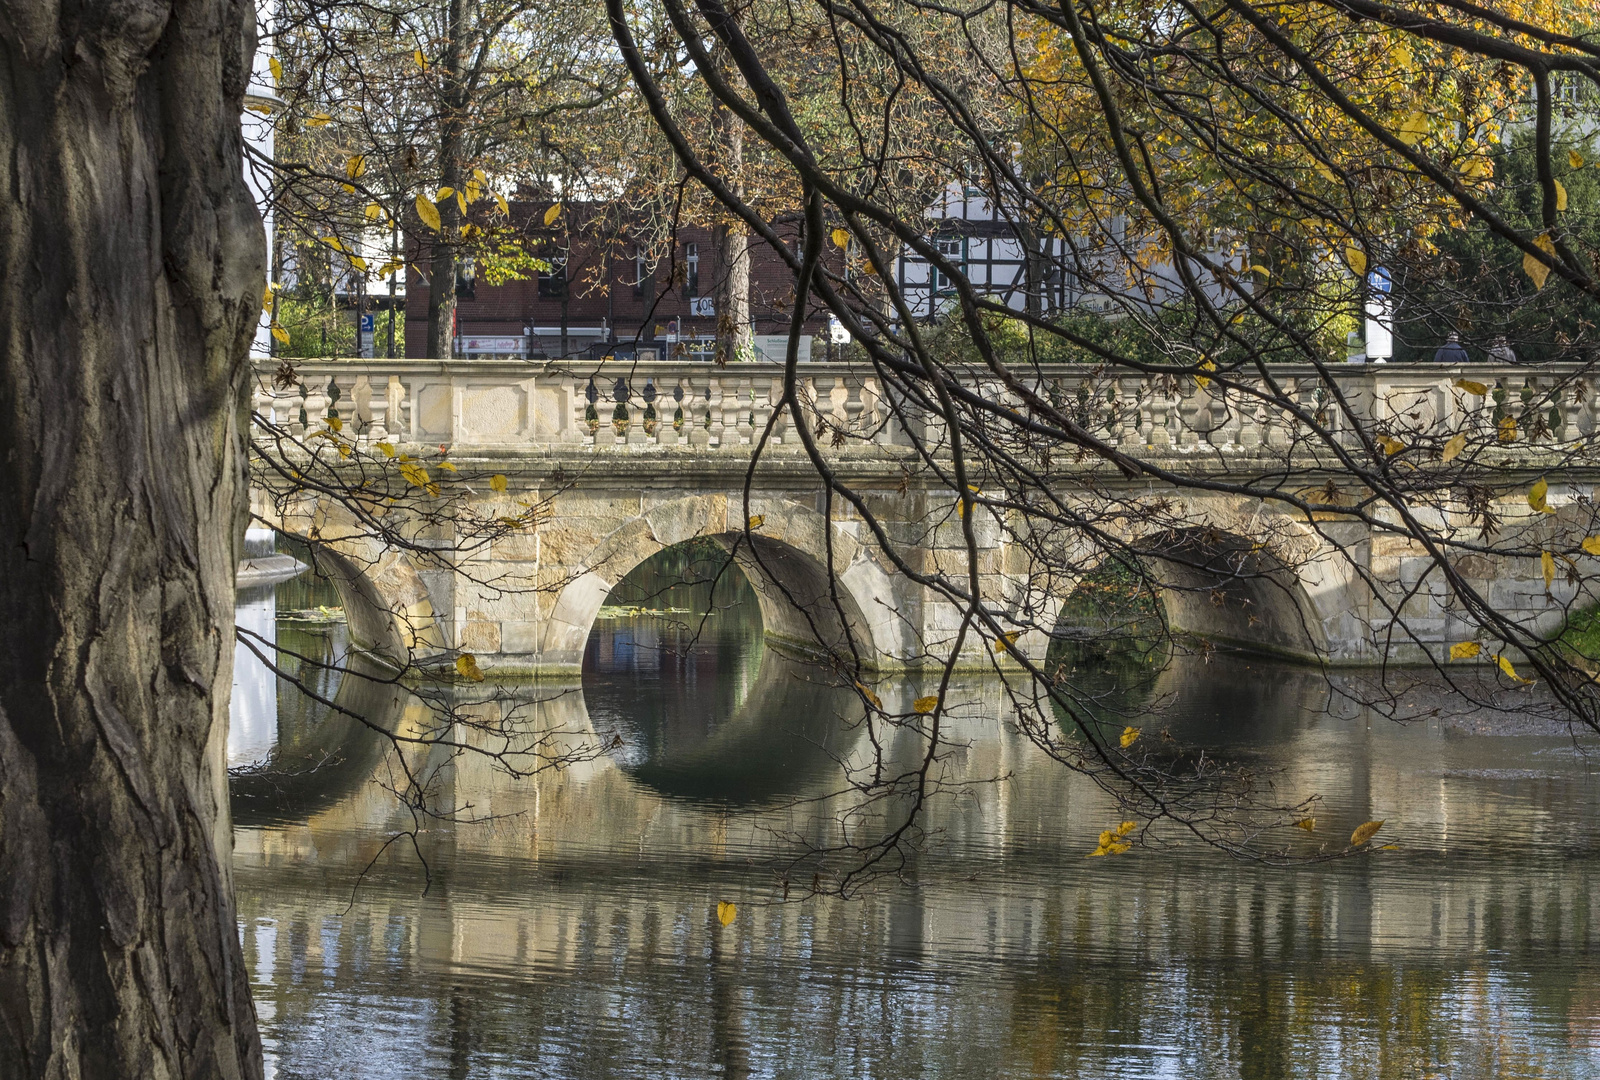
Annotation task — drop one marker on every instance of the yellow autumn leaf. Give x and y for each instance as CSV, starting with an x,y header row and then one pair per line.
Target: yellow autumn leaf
x,y
1364,832
467,667
1259,269
1537,496
1112,842
726,913
1465,650
356,167
428,212
1308,824
1130,735
320,119
280,334
1574,159
925,705
414,474
1006,640
359,263
505,207
872,699
386,449
447,466
1507,429
1510,672
1535,268
551,214
276,68
1591,544
374,211
1453,447
1326,173
1356,258
461,203
841,238
1473,387
420,60
497,482
1416,126
266,298
1391,445
1561,195
1547,564
1201,380
756,521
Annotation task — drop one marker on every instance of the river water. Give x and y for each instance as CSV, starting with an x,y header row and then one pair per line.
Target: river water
x,y
570,927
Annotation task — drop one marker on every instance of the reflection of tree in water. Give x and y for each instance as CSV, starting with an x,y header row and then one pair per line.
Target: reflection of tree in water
x,y
678,664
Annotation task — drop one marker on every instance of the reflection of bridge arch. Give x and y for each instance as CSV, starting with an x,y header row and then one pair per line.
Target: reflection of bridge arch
x,y
783,560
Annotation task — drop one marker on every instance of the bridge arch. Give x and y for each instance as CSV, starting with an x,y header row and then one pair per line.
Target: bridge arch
x,y
1251,578
851,613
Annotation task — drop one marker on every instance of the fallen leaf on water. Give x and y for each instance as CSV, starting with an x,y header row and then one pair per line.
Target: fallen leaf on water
x,y
467,667
1130,735
727,912
1112,842
1308,824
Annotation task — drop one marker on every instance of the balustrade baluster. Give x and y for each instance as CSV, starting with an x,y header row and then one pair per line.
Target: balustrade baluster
x,y
1189,402
714,409
1572,413
697,410
743,417
1131,418
315,404
853,405
378,407
760,407
585,400
823,422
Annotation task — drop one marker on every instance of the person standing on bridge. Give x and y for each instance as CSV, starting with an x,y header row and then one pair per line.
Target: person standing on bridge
x,y
1500,351
1452,351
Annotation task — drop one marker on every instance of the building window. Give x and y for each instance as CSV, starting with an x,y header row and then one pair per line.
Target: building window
x,y
643,277
553,282
950,248
691,274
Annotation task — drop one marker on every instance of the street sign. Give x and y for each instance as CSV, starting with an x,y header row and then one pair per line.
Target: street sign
x,y
1379,280
368,323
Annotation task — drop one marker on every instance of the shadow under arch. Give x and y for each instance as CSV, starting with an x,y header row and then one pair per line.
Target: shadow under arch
x,y
681,667
1229,590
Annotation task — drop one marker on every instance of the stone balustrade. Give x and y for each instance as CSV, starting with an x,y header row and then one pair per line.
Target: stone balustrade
x,y
621,405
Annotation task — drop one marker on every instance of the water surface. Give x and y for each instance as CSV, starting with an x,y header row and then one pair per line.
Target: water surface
x,y
572,931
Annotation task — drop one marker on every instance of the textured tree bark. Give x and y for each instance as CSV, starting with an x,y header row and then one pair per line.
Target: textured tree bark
x,y
131,272
442,267
732,296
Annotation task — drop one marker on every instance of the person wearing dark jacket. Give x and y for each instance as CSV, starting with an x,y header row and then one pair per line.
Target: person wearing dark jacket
x,y
1500,351
1451,352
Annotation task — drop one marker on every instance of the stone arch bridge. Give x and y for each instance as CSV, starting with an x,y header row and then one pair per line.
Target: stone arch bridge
x,y
638,457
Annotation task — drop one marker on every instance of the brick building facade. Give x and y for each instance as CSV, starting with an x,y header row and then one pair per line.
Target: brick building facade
x,y
609,295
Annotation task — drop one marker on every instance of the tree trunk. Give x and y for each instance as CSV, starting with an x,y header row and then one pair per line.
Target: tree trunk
x,y
442,271
732,295
132,263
